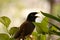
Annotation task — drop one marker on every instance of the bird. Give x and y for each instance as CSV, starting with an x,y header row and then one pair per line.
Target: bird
x,y
26,27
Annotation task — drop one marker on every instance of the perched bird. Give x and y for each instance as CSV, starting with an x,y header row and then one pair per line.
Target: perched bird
x,y
27,27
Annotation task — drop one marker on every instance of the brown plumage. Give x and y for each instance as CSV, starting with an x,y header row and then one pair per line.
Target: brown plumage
x,y
27,27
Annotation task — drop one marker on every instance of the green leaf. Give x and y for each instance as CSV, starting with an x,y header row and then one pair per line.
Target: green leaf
x,y
54,26
42,27
11,39
13,30
51,29
38,37
44,24
4,36
51,16
41,37
38,28
5,20
56,33
35,35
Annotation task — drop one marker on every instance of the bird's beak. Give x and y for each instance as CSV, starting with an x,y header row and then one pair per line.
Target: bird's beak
x,y
37,15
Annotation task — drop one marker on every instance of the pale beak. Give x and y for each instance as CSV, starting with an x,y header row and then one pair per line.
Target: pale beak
x,y
37,15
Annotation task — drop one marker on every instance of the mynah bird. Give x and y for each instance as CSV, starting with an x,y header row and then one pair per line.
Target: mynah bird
x,y
27,27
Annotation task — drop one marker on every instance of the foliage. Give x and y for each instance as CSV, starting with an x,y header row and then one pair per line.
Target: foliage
x,y
51,16
53,29
4,36
13,30
6,22
42,29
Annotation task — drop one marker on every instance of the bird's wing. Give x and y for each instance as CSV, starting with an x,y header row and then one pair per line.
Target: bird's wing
x,y
21,30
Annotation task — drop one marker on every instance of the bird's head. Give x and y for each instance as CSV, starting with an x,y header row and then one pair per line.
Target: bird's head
x,y
31,17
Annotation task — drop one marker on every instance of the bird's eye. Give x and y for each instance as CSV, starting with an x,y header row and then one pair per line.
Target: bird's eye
x,y
31,15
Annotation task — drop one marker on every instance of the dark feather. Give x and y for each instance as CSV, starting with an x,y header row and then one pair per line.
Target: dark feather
x,y
27,27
